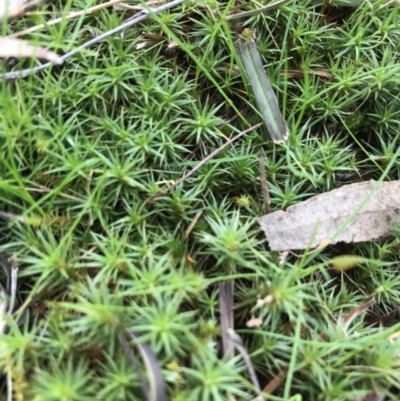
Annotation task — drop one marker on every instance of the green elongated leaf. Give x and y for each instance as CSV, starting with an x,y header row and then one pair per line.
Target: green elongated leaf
x,y
156,390
263,92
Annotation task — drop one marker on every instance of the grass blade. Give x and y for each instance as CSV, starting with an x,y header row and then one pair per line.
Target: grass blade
x,y
263,92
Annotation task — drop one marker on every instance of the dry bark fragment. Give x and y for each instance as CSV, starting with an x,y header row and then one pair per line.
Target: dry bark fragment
x,y
20,48
318,219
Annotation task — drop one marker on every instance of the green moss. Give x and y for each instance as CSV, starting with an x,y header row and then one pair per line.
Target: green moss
x,y
84,148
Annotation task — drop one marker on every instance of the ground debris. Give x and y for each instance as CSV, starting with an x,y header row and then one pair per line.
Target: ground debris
x,y
310,223
20,48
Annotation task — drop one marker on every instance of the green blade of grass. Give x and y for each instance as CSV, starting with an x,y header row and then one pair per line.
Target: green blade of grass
x,y
263,92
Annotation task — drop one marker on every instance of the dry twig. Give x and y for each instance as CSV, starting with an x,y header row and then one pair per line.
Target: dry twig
x,y
141,16
264,184
204,161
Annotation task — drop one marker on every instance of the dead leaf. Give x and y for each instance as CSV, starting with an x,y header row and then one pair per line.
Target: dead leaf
x,y
300,73
190,259
265,301
145,44
282,257
375,396
11,9
394,337
20,48
254,322
9,6
358,311
309,223
275,382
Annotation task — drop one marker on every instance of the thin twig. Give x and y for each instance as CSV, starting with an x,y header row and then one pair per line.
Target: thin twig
x,y
10,216
264,184
274,383
237,343
136,7
9,384
193,223
388,3
42,189
141,16
71,15
258,10
358,311
13,289
204,161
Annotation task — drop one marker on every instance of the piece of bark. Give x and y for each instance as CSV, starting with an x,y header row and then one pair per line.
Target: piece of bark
x,y
9,6
317,220
10,9
20,48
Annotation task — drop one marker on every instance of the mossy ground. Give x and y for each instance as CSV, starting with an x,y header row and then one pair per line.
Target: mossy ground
x,y
84,146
